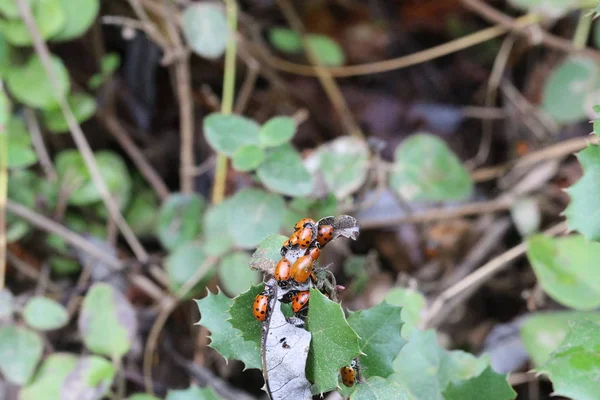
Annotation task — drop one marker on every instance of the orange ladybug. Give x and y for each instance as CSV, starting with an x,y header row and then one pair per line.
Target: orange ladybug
x,y
286,243
303,222
305,237
282,270
300,300
314,253
302,269
325,234
349,374
294,238
259,308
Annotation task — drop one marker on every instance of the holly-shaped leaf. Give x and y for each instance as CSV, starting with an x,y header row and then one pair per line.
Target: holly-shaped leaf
x,y
49,379
227,133
242,317
20,352
377,387
180,219
205,29
412,303
333,345
107,321
583,212
566,268
488,385
575,366
182,264
83,106
228,341
378,329
45,314
235,274
277,131
426,169
218,240
268,253
283,172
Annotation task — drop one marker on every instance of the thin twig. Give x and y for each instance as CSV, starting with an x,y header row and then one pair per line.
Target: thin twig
x,y
33,126
78,136
167,307
249,82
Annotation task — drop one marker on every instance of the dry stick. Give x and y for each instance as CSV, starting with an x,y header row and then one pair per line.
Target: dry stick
x,y
249,82
78,136
462,290
37,140
167,307
136,155
405,61
329,85
69,236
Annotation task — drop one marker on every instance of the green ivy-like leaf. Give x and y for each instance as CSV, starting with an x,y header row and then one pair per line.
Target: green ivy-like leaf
x,y
426,169
376,388
82,105
242,317
235,274
254,214
574,367
412,303
488,385
583,212
227,133
542,333
566,268
248,158
193,393
49,380
214,315
182,264
20,151
79,16
277,131
205,29
219,240
45,314
107,321
378,329
180,219
31,86
333,345
20,351
283,172
49,17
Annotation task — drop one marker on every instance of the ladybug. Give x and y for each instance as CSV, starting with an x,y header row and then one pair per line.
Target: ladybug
x,y
300,300
349,374
260,307
302,269
303,222
294,239
314,253
282,270
325,234
286,243
305,237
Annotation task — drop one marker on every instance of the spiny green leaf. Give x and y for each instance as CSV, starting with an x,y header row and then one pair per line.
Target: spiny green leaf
x,y
283,172
248,158
277,131
583,212
45,314
412,303
49,379
227,133
218,240
107,321
488,385
82,105
566,268
20,352
378,388
426,169
179,219
242,317
333,345
378,329
574,367
79,16
193,393
205,29
183,263
214,315
235,274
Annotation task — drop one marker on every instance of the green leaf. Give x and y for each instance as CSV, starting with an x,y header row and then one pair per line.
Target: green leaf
x,y
327,50
7,303
488,385
574,368
182,264
542,333
344,164
92,377
20,351
20,151
426,169
243,319
227,340
254,214
412,303
142,212
10,9
283,172
235,274
378,329
553,9
376,388
285,40
79,16
583,212
5,63
48,15
72,170
82,105
267,253
142,396
107,321
108,65
566,268
248,158
568,88
31,86
426,369
333,345
205,29
50,378
219,240
193,393
45,314
277,131
180,219
227,133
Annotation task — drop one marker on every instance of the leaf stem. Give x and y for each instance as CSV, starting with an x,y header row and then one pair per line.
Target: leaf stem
x,y
3,182
227,98
583,29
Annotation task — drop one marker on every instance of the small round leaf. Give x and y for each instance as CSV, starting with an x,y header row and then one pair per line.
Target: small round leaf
x,y
277,131
285,40
205,29
20,351
48,15
283,172
79,16
182,264
82,105
45,314
227,133
235,274
50,377
248,158
179,219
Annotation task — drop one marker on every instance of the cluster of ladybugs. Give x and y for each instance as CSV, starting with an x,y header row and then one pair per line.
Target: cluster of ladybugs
x,y
296,274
